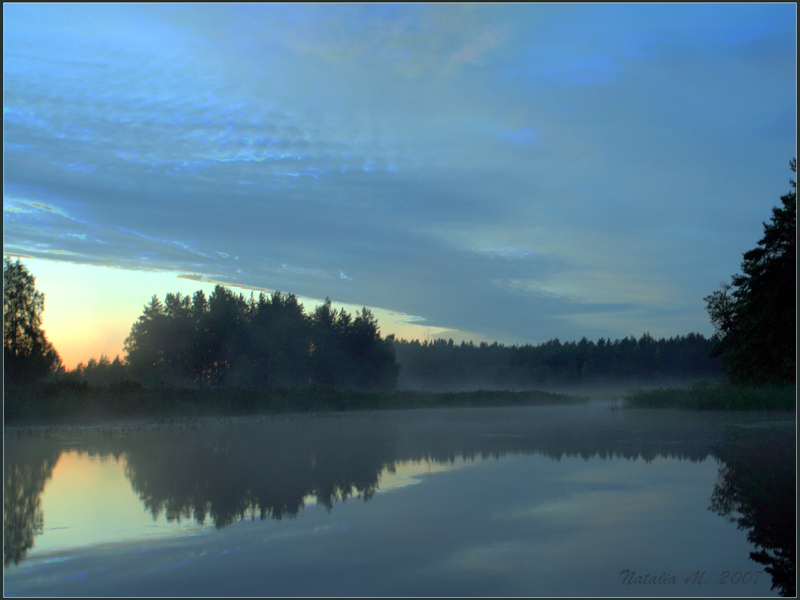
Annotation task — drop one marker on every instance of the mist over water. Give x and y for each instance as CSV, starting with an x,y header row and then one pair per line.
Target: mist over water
x,y
506,500
595,392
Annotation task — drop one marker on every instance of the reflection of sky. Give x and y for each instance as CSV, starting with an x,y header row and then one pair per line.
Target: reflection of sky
x,y
89,501
519,172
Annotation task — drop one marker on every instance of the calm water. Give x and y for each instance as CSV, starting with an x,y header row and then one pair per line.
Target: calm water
x,y
564,501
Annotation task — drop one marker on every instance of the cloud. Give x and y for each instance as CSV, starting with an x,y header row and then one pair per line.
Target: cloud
x,y
191,277
506,251
592,158
491,37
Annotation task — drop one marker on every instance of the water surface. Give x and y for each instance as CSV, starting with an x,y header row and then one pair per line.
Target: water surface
x,y
565,501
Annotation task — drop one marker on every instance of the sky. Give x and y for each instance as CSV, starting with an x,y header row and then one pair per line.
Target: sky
x,y
497,172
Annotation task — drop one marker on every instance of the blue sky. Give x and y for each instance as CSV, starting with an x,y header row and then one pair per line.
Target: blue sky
x,y
511,172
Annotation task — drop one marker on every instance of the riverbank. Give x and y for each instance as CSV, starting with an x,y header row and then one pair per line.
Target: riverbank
x,y
70,402
719,396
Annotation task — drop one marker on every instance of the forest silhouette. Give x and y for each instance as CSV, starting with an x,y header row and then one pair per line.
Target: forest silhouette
x,y
444,365
270,342
263,342
227,354
438,365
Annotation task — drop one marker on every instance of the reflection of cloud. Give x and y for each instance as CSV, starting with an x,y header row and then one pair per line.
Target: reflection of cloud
x,y
490,37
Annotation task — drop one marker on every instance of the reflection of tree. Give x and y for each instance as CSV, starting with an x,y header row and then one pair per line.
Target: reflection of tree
x,y
637,436
228,473
757,491
26,471
267,470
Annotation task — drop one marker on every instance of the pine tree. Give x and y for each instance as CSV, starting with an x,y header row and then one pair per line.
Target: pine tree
x,y
755,315
27,355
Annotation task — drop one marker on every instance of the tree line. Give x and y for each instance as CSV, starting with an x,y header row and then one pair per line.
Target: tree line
x,y
267,341
441,364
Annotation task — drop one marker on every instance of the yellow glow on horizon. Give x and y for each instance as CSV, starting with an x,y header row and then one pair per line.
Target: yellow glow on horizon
x,y
89,310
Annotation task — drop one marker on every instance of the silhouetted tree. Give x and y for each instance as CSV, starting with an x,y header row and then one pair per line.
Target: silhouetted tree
x,y
146,347
225,337
755,316
102,372
279,341
27,355
264,342
372,358
350,353
328,352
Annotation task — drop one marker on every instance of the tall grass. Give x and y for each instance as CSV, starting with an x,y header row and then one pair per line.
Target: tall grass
x,y
721,396
65,401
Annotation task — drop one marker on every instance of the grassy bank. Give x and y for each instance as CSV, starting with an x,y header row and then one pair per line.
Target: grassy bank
x,y
720,396
66,401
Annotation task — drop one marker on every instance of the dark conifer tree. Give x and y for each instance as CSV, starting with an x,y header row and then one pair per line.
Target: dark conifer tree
x,y
755,315
326,349
27,355
146,343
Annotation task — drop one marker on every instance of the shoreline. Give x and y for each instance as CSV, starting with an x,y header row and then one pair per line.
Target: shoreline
x,y
82,405
54,404
721,396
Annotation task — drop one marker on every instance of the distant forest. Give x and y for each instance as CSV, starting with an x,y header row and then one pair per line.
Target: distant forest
x,y
270,342
442,364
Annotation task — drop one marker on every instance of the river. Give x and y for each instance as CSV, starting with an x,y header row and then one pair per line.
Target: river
x,y
579,500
